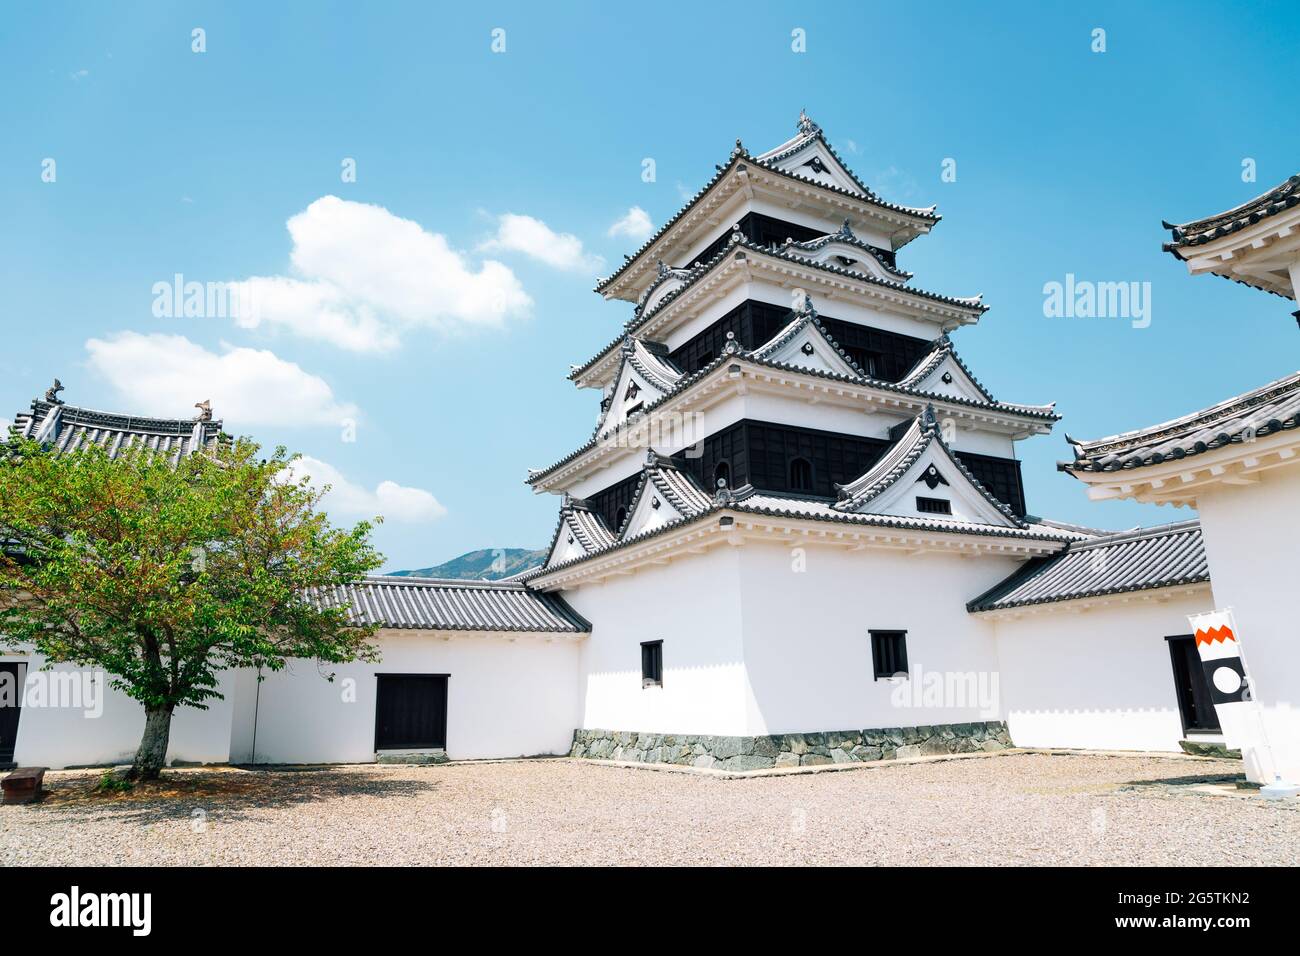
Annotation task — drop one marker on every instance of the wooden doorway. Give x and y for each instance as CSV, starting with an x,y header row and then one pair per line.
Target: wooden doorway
x,y
411,712
1194,703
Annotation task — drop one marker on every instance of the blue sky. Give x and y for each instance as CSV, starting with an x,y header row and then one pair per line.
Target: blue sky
x,y
169,161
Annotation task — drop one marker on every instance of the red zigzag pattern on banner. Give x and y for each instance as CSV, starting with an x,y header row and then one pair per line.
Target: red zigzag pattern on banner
x,y
1215,634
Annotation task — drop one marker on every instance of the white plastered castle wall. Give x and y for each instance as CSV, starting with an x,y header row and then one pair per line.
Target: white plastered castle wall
x,y
1096,677
1251,534
808,648
103,726
693,606
507,696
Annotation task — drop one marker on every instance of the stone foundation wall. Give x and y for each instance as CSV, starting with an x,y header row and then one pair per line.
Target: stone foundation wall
x,y
790,750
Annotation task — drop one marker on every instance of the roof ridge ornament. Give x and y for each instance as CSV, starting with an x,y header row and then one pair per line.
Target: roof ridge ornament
x,y
52,393
732,347
806,125
846,230
929,422
205,410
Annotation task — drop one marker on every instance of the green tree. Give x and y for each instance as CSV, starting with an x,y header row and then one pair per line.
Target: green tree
x,y
165,574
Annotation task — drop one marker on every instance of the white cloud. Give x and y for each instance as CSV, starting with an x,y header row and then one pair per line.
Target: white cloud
x,y
79,75
635,225
364,276
532,237
348,499
167,374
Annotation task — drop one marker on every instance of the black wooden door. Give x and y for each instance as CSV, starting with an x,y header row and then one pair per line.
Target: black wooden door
x,y
1190,685
411,712
11,699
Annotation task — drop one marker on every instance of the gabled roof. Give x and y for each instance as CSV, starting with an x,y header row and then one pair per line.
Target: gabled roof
x,y
924,217
1138,560
1262,411
787,253
1200,231
440,605
662,476
846,237
578,529
808,136
650,360
732,353
943,353
901,459
746,501
806,321
66,428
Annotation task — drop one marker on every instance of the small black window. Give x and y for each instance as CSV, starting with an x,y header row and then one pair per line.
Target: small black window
x,y
652,664
933,506
889,653
722,474
801,475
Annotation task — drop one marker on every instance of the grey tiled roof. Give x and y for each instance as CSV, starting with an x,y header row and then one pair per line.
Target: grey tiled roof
x,y
1200,231
748,501
1139,560
942,348
768,162
732,352
1262,411
740,241
441,605
895,463
73,427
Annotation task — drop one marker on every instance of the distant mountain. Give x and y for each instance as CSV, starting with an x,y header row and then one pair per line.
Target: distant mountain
x,y
488,565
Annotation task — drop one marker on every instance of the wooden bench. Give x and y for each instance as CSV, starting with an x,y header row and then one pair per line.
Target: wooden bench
x,y
23,785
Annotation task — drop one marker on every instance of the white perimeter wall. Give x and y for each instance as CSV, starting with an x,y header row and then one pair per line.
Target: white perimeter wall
x,y
69,736
808,647
1252,540
505,698
752,646
692,605
1099,678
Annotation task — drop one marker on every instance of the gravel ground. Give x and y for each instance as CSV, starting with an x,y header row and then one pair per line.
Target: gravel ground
x,y
1013,809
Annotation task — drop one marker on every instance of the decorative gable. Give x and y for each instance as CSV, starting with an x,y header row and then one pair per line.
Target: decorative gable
x,y
919,477
644,377
579,533
944,373
805,343
665,494
809,155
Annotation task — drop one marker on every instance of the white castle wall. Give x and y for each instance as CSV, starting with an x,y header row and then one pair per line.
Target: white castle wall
x,y
808,650
753,647
692,605
70,734
1250,536
1099,678
506,698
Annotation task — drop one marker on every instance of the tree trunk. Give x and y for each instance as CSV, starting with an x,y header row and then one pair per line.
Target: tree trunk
x,y
151,756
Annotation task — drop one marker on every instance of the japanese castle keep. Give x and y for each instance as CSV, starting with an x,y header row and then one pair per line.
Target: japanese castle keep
x,y
798,535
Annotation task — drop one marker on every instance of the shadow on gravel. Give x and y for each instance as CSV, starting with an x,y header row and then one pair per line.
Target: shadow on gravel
x,y
230,793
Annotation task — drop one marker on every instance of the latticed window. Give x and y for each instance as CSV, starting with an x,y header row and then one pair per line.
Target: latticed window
x,y
801,475
652,664
889,653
